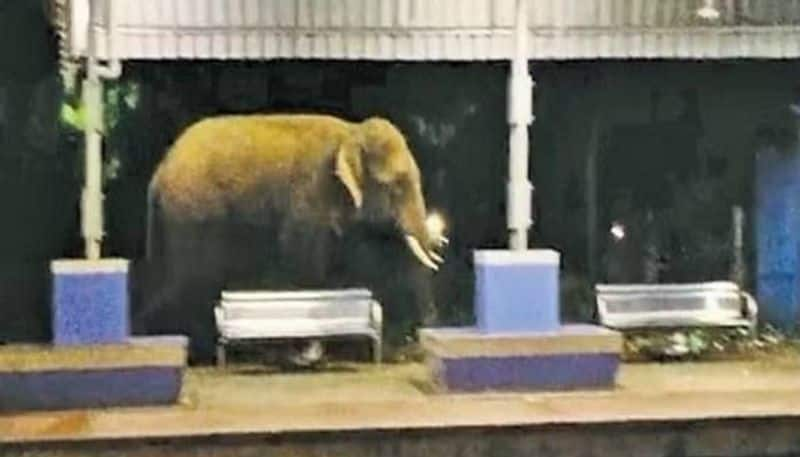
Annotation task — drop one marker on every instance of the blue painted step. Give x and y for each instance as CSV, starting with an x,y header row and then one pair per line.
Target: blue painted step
x,y
141,372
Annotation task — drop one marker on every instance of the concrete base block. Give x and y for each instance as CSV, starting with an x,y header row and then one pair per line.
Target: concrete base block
x,y
140,372
573,357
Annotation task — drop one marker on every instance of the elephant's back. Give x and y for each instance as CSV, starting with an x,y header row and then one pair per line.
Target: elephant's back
x,y
245,158
258,138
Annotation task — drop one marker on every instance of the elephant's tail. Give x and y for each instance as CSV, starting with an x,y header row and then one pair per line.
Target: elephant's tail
x,y
152,214
150,287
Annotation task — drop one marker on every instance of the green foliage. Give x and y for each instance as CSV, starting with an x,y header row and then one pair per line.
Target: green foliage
x,y
700,220
705,343
73,117
577,298
121,99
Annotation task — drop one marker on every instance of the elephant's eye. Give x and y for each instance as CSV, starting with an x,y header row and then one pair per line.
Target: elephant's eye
x,y
395,191
398,187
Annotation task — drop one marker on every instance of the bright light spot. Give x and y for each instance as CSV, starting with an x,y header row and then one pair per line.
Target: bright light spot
x,y
436,225
708,12
617,231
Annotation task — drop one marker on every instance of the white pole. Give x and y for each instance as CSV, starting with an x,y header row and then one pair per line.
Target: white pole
x,y
92,196
520,100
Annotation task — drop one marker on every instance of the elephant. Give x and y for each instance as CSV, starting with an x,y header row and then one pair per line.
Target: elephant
x,y
269,199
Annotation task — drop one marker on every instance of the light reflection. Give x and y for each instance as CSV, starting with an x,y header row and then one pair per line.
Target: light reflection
x,y
708,11
436,225
617,231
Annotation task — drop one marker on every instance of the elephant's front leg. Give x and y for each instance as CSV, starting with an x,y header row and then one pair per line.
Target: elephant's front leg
x,y
303,263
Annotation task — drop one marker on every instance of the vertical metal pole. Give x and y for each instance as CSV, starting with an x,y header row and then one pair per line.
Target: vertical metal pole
x,y
520,100
92,196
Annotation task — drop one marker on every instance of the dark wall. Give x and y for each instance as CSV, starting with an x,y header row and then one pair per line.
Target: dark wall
x,y
678,138
673,146
39,179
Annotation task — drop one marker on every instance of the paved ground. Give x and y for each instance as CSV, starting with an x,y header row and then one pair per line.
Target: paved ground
x,y
249,399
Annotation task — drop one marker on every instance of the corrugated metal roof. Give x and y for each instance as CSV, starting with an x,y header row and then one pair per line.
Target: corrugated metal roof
x,y
445,29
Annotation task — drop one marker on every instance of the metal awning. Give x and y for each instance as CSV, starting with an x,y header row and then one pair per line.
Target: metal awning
x,y
430,30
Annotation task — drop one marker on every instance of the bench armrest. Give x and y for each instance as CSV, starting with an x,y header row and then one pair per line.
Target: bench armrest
x,y
219,315
751,309
376,315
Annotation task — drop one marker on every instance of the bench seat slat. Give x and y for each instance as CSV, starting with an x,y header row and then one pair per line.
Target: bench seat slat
x,y
295,310
284,295
300,327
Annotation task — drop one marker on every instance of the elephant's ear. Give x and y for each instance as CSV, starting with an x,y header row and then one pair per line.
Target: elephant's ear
x,y
350,172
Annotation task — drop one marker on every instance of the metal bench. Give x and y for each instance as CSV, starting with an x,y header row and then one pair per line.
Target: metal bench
x,y
259,316
708,304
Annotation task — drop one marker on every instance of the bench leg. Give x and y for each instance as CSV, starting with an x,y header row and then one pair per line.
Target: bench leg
x,y
377,351
221,356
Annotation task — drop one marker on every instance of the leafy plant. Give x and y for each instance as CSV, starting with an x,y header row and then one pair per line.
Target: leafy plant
x,y
705,343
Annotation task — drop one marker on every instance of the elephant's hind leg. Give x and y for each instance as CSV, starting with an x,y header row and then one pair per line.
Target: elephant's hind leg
x,y
192,278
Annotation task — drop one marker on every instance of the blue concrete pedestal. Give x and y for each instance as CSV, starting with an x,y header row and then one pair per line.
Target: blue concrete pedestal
x,y
90,301
517,291
573,357
92,362
519,342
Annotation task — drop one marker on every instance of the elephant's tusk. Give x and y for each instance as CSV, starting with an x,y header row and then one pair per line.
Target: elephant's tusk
x,y
444,241
435,257
420,254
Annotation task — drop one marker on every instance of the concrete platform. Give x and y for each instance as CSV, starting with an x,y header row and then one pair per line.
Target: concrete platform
x,y
573,357
141,372
742,409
